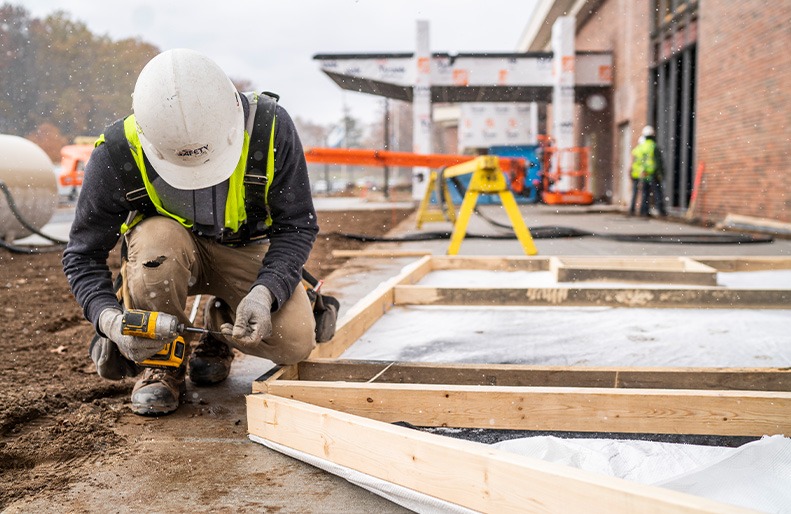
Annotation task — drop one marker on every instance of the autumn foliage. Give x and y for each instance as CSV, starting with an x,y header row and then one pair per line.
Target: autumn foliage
x,y
58,80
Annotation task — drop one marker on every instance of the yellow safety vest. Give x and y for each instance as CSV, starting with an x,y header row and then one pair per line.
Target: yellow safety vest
x,y
644,163
235,212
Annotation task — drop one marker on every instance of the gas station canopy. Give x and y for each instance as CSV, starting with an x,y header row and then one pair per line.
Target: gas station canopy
x,y
467,77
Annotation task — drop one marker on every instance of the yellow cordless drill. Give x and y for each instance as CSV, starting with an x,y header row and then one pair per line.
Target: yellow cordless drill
x,y
159,325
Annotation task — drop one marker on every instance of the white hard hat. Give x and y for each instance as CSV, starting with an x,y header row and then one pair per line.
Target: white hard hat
x,y
190,119
648,131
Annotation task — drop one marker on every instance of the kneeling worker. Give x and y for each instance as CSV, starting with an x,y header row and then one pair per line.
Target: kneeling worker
x,y
210,190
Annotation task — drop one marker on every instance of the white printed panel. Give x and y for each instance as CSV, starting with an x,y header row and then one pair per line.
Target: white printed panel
x,y
482,125
400,71
590,70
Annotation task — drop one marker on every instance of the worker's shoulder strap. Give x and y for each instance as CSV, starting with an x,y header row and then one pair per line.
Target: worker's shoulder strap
x,y
257,175
123,161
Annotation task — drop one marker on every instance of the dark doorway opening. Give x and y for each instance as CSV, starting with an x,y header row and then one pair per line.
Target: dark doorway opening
x,y
673,109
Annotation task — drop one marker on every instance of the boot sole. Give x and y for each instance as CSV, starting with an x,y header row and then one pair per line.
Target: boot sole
x,y
159,409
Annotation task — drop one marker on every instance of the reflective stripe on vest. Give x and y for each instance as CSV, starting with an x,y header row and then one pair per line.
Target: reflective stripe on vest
x,y
247,189
234,205
235,212
644,165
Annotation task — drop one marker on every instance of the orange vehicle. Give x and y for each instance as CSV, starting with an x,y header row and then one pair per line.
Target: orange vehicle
x,y
72,161
577,176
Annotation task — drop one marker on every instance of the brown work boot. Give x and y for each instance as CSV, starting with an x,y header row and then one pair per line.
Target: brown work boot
x,y
210,361
159,391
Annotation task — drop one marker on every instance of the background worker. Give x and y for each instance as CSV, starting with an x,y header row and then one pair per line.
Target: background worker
x,y
195,225
647,174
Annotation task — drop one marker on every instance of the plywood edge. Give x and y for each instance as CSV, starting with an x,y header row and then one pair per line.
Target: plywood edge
x,y
462,472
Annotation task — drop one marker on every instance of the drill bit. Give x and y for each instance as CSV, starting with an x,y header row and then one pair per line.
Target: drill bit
x,y
198,330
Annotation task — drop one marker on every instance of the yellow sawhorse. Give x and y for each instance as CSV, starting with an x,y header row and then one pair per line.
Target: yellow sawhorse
x,y
487,178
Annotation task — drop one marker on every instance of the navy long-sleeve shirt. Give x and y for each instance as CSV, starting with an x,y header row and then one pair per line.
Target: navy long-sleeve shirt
x,y
102,208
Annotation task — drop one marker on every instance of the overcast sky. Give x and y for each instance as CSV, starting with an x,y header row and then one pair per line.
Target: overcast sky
x,y
272,43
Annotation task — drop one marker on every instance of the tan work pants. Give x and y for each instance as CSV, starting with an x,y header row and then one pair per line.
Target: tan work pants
x,y
167,263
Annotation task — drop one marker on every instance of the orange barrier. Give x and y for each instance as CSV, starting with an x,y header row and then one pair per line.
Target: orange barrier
x,y
365,157
71,156
578,176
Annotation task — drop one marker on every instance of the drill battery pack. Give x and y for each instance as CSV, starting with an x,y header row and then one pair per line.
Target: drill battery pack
x,y
171,356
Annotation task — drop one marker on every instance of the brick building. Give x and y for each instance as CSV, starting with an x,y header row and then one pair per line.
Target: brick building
x,y
711,75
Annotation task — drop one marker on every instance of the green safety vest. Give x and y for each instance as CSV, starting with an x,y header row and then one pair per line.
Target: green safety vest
x,y
644,162
248,188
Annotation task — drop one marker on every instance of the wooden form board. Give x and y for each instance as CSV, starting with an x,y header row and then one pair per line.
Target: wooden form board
x,y
655,401
401,290
338,410
675,270
464,473
744,379
632,297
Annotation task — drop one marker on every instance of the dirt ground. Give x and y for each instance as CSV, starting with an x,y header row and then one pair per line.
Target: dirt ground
x,y
56,414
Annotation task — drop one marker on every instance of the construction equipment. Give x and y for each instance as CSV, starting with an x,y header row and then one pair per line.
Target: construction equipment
x,y
487,178
566,174
72,165
159,325
515,166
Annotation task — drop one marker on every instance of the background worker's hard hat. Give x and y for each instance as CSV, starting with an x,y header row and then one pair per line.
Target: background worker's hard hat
x,y
190,119
648,131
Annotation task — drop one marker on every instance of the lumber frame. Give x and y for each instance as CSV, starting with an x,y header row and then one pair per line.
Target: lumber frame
x,y
676,270
538,263
292,407
400,290
565,409
743,379
462,472
633,297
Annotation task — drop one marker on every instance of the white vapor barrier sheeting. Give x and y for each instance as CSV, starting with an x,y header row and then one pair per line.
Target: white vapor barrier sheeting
x,y
403,496
579,336
756,475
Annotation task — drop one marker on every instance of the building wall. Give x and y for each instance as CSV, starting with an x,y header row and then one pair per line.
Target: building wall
x,y
621,27
744,108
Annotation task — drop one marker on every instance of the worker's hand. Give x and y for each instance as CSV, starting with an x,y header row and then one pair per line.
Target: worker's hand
x,y
253,318
133,348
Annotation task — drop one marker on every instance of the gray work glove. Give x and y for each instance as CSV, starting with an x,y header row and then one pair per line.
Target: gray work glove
x,y
253,318
136,349
109,362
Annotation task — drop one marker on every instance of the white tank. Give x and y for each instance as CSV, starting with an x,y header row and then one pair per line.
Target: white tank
x,y
28,174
